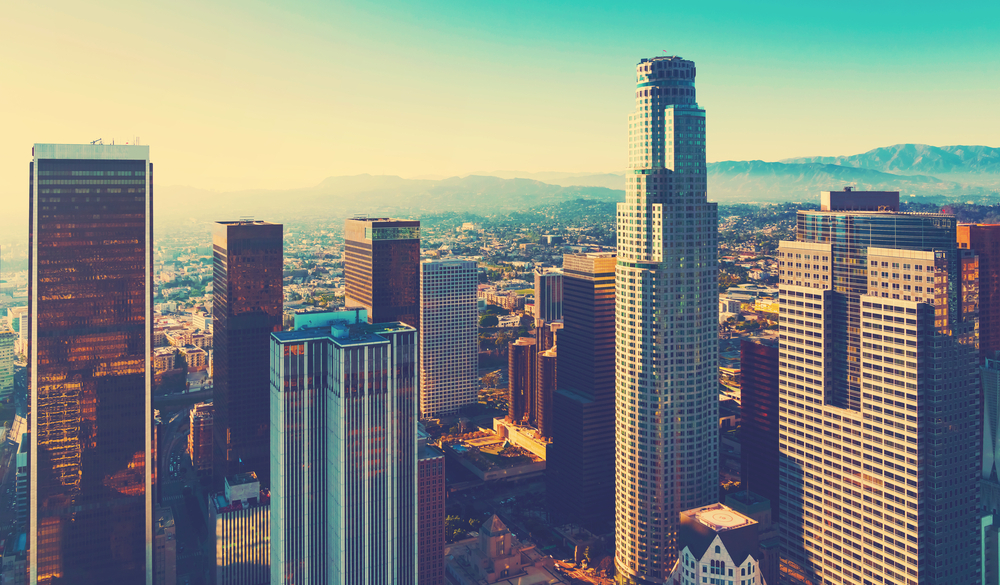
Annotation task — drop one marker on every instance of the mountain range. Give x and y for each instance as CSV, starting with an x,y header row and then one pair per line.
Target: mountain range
x,y
915,170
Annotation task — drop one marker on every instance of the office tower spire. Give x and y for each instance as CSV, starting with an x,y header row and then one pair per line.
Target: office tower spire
x,y
90,301
666,325
878,391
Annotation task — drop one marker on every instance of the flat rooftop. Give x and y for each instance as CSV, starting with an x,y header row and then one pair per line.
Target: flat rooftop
x,y
719,517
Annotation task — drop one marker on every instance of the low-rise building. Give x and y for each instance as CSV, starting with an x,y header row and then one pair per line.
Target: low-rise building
x,y
241,519
716,544
496,556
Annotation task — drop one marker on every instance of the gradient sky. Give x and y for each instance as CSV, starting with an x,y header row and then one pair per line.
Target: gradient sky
x,y
233,95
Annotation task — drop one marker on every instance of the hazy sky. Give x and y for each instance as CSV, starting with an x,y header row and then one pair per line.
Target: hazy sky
x,y
233,95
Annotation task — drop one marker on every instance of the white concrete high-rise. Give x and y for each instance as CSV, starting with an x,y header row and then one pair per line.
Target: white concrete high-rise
x,y
449,343
548,294
344,451
878,390
666,400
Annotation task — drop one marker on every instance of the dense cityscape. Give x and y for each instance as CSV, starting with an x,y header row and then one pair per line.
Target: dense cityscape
x,y
634,386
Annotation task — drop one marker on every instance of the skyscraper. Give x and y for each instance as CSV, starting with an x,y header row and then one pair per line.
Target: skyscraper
x,y
667,324
449,342
430,469
759,409
580,468
239,519
246,308
984,241
879,388
548,294
521,379
382,268
344,451
90,300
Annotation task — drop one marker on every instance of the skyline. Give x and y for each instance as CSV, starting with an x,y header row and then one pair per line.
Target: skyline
x,y
254,96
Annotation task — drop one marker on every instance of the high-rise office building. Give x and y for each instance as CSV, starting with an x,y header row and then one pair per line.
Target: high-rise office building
x,y
240,517
449,330
248,298
984,241
8,339
430,502
548,294
521,379
382,268
580,468
90,300
545,386
344,451
201,441
759,409
667,324
878,389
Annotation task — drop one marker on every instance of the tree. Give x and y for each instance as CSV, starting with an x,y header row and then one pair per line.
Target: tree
x,y
180,362
490,380
489,321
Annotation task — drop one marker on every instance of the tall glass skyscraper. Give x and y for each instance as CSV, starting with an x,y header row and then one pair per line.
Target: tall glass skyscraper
x,y
246,309
344,457
90,302
666,324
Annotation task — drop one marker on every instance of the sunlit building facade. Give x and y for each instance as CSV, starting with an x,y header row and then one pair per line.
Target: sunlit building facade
x,y
666,324
344,452
90,304
449,342
878,397
382,268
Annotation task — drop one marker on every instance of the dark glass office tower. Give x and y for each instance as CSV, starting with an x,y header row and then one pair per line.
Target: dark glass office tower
x,y
382,268
90,302
759,429
247,304
580,467
984,240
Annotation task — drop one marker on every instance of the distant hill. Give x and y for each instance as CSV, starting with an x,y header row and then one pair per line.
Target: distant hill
x,y
609,180
345,196
917,158
948,173
733,181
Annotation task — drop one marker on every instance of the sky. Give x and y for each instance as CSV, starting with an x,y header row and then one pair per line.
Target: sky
x,y
235,95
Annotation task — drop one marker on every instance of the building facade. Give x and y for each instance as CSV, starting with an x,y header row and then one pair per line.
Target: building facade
x,y
8,341
344,426
759,427
580,465
431,498
717,545
241,519
984,241
548,294
200,438
667,324
449,342
246,308
521,377
382,268
879,440
90,301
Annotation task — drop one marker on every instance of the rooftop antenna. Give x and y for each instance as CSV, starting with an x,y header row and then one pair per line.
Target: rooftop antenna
x,y
98,141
